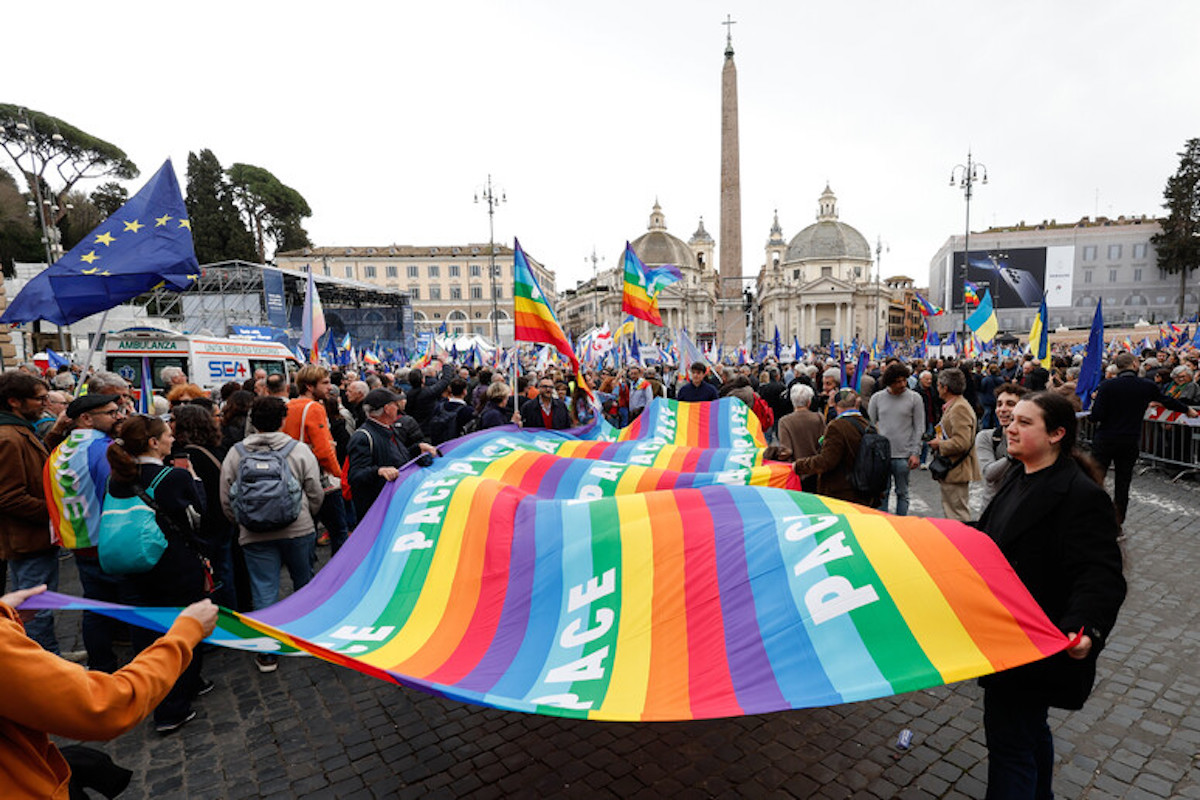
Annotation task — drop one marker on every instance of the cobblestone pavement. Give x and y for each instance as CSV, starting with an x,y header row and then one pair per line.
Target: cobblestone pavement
x,y
314,730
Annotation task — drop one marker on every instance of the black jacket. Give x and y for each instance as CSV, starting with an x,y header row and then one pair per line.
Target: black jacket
x,y
423,399
373,446
531,414
1059,531
1120,406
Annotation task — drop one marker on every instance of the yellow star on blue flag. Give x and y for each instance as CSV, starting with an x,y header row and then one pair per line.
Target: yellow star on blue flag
x,y
132,264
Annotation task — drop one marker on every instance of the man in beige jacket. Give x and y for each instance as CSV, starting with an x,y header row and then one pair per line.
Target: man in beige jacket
x,y
957,443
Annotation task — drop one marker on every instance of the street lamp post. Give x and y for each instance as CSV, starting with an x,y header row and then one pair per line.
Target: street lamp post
x,y
965,175
489,196
880,248
46,209
595,259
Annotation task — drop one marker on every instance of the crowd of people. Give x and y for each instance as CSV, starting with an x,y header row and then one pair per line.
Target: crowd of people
x,y
253,478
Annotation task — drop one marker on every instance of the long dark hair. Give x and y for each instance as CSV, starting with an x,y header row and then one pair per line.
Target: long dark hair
x,y
1057,412
133,440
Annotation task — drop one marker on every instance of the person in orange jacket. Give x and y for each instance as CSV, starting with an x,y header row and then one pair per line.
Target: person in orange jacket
x,y
46,695
307,422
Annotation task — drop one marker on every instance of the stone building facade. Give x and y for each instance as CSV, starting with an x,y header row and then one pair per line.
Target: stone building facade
x,y
1093,259
689,303
447,284
818,287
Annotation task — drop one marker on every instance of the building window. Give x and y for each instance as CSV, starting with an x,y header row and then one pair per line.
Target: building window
x,y
1139,251
349,272
392,272
1089,252
369,271
1114,252
1087,276
434,271
1137,275
414,271
416,292
498,292
327,270
454,270
456,293
476,292
1112,276
435,293
795,274
476,271
827,271
495,271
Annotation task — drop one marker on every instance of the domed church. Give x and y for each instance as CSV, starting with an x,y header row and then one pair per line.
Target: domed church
x,y
819,286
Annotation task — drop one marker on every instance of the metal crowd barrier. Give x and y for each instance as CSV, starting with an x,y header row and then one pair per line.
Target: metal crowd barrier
x,y
1170,441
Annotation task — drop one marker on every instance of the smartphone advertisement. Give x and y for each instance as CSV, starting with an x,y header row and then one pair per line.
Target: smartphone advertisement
x,y
1017,277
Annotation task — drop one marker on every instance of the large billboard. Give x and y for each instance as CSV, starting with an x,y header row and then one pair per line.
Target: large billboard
x,y
1016,277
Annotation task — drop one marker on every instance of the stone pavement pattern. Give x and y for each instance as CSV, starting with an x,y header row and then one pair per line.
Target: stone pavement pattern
x,y
312,730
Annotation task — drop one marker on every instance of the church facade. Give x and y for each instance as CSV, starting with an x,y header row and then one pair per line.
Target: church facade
x,y
689,303
819,286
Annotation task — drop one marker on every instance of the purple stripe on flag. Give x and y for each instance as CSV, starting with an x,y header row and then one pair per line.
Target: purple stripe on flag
x,y
749,666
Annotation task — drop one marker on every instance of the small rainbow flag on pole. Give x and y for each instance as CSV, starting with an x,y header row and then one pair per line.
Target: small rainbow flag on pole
x,y
928,309
642,286
970,293
314,320
535,320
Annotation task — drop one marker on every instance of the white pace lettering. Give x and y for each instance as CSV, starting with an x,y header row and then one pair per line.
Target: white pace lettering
x,y
572,636
411,541
833,596
588,668
831,549
592,591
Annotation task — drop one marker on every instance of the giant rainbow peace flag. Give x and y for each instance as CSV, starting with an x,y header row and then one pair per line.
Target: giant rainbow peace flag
x,y
661,572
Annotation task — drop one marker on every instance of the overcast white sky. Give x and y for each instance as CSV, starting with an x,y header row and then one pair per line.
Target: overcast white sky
x,y
389,117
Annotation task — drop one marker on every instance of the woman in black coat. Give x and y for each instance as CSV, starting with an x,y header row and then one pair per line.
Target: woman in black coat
x,y
1056,525
180,577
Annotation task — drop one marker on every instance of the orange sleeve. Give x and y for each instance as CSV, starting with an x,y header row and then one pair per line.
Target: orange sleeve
x,y
318,437
46,693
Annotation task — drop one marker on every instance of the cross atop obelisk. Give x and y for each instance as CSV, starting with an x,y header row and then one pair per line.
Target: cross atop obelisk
x,y
729,23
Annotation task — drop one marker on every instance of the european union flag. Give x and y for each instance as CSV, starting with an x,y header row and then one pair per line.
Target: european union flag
x,y
147,242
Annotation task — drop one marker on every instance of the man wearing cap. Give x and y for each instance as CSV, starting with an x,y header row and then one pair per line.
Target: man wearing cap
x,y
386,441
76,476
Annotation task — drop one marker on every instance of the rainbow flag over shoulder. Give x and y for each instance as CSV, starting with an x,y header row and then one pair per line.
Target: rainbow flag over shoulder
x,y
74,478
642,285
660,572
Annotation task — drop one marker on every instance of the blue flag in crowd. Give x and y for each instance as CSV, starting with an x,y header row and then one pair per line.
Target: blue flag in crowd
x,y
842,364
146,242
778,344
55,360
860,368
1092,367
796,344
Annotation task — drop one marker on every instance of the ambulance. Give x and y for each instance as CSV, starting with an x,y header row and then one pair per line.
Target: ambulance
x,y
208,361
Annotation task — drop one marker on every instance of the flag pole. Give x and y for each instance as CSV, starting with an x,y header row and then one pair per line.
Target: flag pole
x,y
100,334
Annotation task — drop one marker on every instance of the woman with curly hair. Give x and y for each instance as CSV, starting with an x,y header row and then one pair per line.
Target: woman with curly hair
x,y
179,578
198,447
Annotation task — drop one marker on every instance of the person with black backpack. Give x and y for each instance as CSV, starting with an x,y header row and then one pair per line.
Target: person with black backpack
x,y
835,463
453,415
271,487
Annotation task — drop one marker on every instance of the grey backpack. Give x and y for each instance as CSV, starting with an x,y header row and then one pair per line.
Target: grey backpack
x,y
265,495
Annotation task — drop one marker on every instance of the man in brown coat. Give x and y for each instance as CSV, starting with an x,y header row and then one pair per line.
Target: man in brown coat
x,y
957,443
24,520
839,449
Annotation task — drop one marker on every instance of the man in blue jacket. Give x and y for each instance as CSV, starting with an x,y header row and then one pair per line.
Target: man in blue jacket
x,y
1117,411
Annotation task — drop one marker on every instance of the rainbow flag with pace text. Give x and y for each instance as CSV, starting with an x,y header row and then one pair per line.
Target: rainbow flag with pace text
x,y
661,572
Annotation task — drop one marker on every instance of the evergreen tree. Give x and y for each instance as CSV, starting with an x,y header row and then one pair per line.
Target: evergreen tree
x,y
1178,245
272,209
218,232
108,199
20,240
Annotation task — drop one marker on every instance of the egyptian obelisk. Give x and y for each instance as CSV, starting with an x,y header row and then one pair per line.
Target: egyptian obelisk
x,y
731,319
